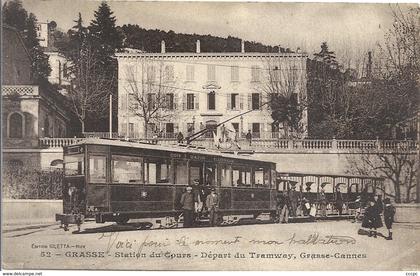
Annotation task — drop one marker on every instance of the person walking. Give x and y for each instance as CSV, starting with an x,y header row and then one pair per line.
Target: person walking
x,y
339,201
283,205
212,203
323,202
389,213
188,204
249,137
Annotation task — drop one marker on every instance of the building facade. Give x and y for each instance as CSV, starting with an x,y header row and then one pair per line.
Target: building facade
x,y
200,90
29,111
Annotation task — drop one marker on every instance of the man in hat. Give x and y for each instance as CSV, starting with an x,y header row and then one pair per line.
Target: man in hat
x,y
188,204
283,205
339,201
389,213
294,199
212,203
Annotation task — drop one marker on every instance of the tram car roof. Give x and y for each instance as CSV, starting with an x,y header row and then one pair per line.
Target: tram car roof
x,y
319,174
170,148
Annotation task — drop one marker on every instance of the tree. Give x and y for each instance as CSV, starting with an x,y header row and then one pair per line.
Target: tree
x,y
399,168
16,16
283,89
40,66
151,93
105,40
104,33
326,56
90,85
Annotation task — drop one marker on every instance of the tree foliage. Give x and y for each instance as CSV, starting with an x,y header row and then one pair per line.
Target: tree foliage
x,y
16,16
283,88
149,41
151,89
399,168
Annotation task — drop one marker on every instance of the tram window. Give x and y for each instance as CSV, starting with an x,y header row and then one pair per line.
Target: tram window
x,y
259,177
236,181
126,169
210,175
246,177
73,165
226,175
181,174
156,171
195,175
241,176
97,169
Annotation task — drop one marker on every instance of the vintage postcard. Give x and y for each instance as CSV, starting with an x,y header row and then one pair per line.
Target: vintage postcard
x,y
210,136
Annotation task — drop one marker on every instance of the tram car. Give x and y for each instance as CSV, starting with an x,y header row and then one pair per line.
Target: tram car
x,y
355,190
115,181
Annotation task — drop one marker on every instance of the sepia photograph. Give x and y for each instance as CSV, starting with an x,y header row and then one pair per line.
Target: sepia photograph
x,y
209,136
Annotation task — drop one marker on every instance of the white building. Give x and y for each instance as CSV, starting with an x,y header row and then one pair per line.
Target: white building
x,y
42,33
59,69
204,89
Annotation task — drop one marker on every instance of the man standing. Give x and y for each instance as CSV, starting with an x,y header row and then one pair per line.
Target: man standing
x,y
389,213
294,199
212,203
187,203
283,205
180,137
249,137
339,201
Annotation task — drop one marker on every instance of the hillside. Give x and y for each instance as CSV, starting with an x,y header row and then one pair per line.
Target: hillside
x,y
150,41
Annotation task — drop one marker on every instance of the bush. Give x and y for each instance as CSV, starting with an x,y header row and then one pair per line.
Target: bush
x,y
32,183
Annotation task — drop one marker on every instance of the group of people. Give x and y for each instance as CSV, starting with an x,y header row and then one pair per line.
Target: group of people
x,y
372,216
290,203
192,205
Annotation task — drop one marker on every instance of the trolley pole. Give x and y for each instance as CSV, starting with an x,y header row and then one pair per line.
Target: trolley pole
x,y
110,116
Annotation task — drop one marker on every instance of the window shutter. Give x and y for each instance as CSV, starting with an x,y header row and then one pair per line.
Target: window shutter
x,y
176,127
176,101
249,101
196,101
241,102
184,101
229,101
261,101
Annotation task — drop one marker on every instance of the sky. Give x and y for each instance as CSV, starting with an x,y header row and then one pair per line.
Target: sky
x,y
349,29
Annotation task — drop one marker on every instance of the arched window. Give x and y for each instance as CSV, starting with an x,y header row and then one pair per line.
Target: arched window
x,y
16,125
57,163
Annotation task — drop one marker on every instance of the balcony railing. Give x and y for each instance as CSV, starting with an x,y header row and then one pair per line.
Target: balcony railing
x,y
19,90
58,142
275,145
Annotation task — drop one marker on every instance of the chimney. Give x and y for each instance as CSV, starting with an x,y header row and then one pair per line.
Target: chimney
x,y
197,47
369,66
242,46
162,47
